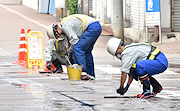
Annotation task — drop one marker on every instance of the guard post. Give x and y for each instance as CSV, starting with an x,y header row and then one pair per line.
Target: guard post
x,y
34,49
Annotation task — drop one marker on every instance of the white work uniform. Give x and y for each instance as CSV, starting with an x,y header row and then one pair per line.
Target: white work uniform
x,y
53,53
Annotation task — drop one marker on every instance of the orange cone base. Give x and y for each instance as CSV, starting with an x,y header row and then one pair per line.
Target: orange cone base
x,y
21,63
52,68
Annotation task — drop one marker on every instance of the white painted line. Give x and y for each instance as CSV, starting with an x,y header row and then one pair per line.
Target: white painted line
x,y
21,15
5,53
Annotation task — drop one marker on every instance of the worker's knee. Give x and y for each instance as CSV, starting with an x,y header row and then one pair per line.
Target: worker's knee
x,y
140,69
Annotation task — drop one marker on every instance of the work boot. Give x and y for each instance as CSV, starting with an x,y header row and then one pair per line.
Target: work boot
x,y
58,66
146,87
145,94
84,77
156,86
58,69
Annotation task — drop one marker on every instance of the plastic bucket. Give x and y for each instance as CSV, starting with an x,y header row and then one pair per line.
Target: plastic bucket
x,y
74,72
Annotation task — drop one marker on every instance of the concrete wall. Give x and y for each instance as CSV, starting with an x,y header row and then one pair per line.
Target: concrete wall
x,y
109,8
31,3
94,7
42,5
165,13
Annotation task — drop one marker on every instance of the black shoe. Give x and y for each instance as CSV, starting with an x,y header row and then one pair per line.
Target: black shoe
x,y
87,77
58,66
58,70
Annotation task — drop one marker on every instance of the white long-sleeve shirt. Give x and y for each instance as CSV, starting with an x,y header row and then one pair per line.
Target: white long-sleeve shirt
x,y
132,54
73,28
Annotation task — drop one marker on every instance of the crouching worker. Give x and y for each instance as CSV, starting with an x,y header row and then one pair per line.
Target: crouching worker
x,y
140,61
58,50
82,32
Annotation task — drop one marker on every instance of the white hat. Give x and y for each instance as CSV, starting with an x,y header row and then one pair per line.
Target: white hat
x,y
112,45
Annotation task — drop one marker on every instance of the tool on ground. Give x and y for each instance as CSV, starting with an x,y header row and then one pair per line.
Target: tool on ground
x,y
131,96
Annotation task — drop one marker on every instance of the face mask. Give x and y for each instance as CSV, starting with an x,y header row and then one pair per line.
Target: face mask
x,y
61,37
118,56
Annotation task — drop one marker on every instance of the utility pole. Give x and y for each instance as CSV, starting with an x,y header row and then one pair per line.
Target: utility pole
x,y
118,27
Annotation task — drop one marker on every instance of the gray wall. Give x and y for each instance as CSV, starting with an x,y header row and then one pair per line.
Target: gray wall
x,y
165,13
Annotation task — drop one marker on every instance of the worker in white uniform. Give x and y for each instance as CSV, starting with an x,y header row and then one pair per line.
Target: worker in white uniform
x,y
58,49
140,61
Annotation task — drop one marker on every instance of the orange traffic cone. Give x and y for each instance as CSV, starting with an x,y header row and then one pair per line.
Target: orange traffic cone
x,y
28,31
22,48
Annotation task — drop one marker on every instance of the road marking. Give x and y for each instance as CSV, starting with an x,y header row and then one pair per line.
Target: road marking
x,y
5,53
23,16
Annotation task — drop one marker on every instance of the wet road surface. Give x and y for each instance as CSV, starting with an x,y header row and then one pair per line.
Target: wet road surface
x,y
25,89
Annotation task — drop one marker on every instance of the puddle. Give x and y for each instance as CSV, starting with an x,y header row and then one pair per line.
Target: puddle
x,y
13,72
34,89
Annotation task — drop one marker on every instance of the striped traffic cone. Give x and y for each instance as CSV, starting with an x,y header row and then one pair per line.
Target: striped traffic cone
x,y
22,48
28,31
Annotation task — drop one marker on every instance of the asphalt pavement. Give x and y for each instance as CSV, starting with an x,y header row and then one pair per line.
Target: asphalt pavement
x,y
24,89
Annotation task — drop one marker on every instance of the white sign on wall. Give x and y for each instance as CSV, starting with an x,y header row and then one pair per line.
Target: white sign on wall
x,y
152,12
152,18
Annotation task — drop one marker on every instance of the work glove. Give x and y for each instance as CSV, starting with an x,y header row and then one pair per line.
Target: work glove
x,y
49,65
120,91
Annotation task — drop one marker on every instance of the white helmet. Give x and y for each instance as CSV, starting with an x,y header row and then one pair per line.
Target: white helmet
x,y
51,31
112,45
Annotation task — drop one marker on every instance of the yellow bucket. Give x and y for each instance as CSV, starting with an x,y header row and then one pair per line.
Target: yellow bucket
x,y
74,72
